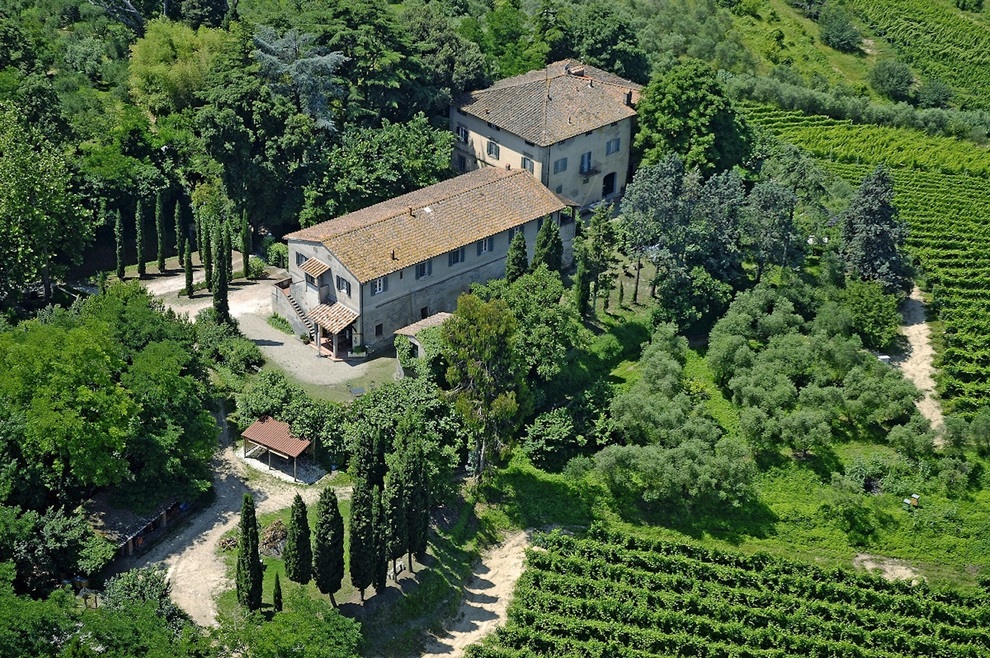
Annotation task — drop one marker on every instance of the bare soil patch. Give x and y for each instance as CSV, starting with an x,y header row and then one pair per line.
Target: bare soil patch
x,y
889,568
486,598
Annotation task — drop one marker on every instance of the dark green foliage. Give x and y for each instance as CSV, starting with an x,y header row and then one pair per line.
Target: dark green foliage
x,y
246,244
221,277
298,553
379,529
328,544
934,93
395,503
277,595
139,238
206,243
549,250
160,231
596,249
684,110
970,5
582,280
362,555
30,627
180,234
188,270
770,232
873,234
200,13
308,628
892,79
139,586
118,234
874,313
516,261
249,569
837,29
603,35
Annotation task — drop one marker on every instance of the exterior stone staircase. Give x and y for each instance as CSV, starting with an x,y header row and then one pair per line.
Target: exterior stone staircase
x,y
286,290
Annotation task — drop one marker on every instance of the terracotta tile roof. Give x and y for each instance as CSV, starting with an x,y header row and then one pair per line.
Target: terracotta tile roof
x,y
275,435
314,267
434,320
547,106
432,221
333,317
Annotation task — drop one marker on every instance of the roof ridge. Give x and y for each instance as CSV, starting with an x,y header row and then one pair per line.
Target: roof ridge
x,y
451,195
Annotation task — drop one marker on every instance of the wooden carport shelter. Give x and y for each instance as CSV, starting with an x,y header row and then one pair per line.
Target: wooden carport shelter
x,y
275,437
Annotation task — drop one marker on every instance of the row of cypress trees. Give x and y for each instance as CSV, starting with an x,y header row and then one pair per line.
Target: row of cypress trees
x,y
549,251
390,507
317,556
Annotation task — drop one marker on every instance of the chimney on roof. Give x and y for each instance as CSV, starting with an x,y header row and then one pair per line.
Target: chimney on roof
x,y
410,211
629,98
508,167
393,255
577,70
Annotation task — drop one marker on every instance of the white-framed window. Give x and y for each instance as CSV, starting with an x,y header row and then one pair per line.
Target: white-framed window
x,y
455,257
343,285
462,133
527,163
493,149
300,258
486,245
379,285
612,146
559,165
424,269
586,162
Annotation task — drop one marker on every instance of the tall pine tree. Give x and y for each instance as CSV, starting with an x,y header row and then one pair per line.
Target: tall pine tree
x,y
221,303
395,502
187,266
362,553
298,553
328,545
277,595
249,573
418,511
245,243
379,532
516,261
139,237
160,231
180,234
118,234
873,234
206,249
549,249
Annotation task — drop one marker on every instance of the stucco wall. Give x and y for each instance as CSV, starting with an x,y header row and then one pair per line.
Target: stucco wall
x,y
585,189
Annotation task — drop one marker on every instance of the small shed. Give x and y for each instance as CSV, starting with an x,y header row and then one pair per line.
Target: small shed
x,y
126,528
412,330
274,437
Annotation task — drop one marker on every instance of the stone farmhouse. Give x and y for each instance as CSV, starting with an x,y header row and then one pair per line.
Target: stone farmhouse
x,y
356,279
569,125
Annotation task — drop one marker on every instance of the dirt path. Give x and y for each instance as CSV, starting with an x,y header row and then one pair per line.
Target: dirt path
x,y
889,568
917,367
486,599
195,570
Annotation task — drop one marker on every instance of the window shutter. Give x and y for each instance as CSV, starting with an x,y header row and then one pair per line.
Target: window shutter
x,y
384,283
479,245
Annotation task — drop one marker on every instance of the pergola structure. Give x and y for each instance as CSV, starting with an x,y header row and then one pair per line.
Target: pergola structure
x,y
275,437
333,319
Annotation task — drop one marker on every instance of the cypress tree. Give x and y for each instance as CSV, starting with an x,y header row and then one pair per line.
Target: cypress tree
x,y
220,284
139,238
187,266
228,250
516,261
249,573
180,235
277,595
549,249
206,250
419,502
328,545
582,280
298,554
160,230
362,553
395,502
118,234
245,243
379,530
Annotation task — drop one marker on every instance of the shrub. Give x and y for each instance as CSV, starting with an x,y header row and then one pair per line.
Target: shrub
x,y
892,79
837,29
970,5
874,313
241,355
934,93
278,322
276,253
257,269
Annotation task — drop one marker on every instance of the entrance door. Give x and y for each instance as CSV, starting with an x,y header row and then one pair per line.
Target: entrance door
x,y
608,185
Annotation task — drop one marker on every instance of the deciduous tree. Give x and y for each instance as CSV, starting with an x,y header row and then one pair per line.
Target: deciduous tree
x,y
873,234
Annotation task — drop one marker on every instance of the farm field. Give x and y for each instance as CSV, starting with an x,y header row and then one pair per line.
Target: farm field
x,y
936,38
615,594
941,190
